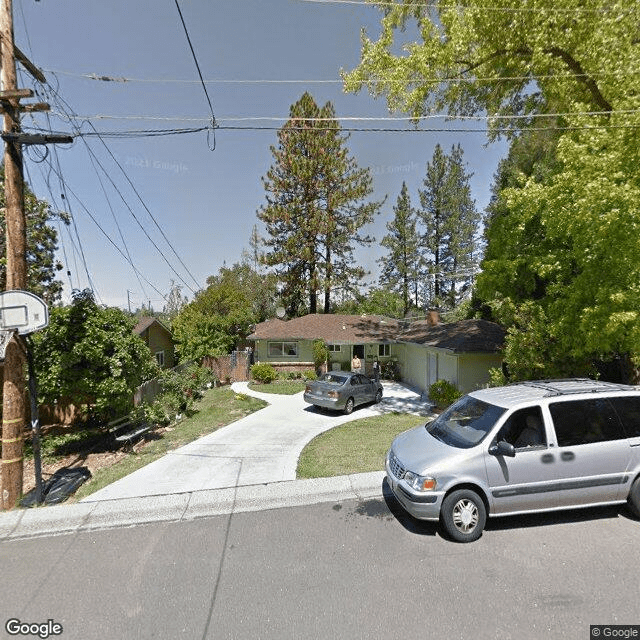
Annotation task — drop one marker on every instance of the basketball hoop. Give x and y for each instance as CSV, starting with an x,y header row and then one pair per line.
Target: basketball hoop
x,y
23,312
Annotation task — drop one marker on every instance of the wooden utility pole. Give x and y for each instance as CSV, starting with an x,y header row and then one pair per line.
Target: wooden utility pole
x,y
14,417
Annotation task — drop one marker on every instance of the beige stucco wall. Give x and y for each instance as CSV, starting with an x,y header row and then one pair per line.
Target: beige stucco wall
x,y
467,371
474,369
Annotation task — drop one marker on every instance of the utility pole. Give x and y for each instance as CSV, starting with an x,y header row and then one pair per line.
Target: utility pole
x,y
14,418
13,406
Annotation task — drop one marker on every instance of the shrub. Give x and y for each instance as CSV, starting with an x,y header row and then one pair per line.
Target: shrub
x,y
320,353
443,393
496,377
389,370
310,374
263,372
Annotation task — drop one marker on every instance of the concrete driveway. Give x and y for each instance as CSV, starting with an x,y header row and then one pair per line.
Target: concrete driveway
x,y
261,448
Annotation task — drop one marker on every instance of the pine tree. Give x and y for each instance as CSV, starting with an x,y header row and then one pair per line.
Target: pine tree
x,y
450,221
315,207
400,267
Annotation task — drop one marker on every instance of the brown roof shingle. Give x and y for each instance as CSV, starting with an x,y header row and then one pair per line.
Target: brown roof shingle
x,y
331,328
463,336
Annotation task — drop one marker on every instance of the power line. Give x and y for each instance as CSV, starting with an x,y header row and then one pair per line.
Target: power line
x,y
204,86
428,116
268,81
113,215
104,233
461,7
72,118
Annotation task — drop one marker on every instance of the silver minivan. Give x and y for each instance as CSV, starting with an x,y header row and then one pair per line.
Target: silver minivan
x,y
527,447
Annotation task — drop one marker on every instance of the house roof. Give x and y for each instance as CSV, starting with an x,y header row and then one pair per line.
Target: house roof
x,y
463,336
145,322
331,328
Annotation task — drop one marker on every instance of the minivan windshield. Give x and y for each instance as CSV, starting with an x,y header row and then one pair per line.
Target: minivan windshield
x,y
465,423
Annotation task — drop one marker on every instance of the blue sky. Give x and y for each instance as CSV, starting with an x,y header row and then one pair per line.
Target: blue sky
x,y
204,202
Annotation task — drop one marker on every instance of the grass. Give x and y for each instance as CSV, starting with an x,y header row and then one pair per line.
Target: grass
x,y
355,447
285,387
218,408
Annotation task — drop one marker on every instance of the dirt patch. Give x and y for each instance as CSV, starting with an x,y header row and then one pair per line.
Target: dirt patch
x,y
93,457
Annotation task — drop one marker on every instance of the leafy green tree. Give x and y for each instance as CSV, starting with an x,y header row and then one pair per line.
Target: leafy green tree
x,y
518,252
89,355
568,67
513,59
400,268
221,316
450,221
316,207
42,243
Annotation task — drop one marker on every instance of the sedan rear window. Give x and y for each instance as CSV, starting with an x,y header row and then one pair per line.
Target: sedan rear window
x,y
333,378
465,423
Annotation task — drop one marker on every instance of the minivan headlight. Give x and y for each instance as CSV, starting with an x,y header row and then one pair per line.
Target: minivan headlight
x,y
420,483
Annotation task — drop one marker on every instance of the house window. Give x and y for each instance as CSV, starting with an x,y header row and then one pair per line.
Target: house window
x,y
384,350
334,348
160,358
282,349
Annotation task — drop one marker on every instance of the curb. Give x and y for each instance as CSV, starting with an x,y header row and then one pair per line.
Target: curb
x,y
108,514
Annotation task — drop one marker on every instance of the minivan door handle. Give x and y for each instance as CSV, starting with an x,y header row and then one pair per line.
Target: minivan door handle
x,y
547,458
567,455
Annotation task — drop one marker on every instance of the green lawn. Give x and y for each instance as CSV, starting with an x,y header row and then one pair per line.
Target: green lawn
x,y
218,408
284,387
354,447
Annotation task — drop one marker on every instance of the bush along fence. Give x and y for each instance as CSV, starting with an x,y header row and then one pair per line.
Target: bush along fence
x,y
231,368
172,394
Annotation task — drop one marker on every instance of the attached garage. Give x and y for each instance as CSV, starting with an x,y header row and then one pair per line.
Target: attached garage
x,y
460,352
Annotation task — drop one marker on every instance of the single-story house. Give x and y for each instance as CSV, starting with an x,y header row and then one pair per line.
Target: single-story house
x,y
288,344
423,351
159,340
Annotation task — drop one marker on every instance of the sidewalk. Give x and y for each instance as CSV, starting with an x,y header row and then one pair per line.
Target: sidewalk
x,y
246,466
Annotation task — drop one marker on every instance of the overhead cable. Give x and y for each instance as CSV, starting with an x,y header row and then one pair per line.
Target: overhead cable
x,y
204,86
339,81
428,116
465,7
72,118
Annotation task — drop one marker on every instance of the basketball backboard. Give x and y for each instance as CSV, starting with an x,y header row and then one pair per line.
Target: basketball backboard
x,y
23,312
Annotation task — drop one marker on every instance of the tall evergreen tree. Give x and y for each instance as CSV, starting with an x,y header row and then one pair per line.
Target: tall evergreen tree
x,y
316,207
450,221
400,267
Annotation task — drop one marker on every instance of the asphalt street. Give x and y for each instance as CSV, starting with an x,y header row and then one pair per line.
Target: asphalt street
x,y
350,569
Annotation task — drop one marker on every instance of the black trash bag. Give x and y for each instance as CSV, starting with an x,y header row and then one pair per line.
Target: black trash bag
x,y
58,487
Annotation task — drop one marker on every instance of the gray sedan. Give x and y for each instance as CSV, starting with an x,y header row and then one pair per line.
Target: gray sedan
x,y
342,390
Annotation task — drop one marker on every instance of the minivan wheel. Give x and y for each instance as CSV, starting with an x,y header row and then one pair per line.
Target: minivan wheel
x,y
463,515
634,498
348,407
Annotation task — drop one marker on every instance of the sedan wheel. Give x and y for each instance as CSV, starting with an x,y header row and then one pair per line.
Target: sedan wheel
x,y
348,407
463,515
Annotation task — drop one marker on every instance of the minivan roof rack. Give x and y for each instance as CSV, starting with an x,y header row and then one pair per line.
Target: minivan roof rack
x,y
569,386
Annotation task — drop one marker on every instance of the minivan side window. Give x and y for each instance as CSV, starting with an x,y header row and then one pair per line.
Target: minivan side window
x,y
524,428
628,410
585,421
